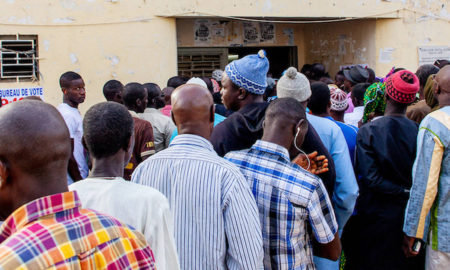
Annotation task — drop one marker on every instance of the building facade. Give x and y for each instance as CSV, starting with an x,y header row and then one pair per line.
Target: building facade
x,y
152,40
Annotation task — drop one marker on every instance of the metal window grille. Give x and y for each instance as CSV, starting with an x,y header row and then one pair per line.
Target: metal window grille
x,y
18,59
199,62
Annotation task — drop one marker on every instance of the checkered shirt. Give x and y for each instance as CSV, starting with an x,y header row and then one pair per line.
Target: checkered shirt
x,y
291,202
54,232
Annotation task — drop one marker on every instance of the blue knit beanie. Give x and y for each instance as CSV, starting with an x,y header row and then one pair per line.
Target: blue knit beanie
x,y
250,72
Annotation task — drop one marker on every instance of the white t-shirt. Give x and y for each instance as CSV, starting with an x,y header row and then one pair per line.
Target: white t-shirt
x,y
354,117
74,122
144,208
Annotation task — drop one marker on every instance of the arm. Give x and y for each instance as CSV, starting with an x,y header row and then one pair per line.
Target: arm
x,y
324,225
331,250
426,171
72,167
242,226
346,188
367,168
146,143
313,143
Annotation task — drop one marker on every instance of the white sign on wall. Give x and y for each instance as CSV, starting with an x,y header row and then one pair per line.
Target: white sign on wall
x,y
429,54
9,95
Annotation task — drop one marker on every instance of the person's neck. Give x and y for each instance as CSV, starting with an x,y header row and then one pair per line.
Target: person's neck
x,y
55,183
108,167
134,109
151,106
277,136
337,116
70,103
444,101
250,99
199,130
325,114
392,110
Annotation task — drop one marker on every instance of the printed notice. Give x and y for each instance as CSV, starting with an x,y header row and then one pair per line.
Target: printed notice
x,y
202,32
386,55
429,54
10,95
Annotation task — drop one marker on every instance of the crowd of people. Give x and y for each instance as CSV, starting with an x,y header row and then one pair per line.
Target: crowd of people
x,y
233,171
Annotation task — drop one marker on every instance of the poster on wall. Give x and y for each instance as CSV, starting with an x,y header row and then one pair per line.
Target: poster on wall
x,y
429,54
202,32
10,95
251,32
267,32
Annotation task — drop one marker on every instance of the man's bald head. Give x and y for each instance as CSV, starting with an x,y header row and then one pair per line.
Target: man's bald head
x,y
193,110
443,78
34,135
34,153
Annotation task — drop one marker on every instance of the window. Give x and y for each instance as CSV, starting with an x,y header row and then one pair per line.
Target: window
x,y
199,62
18,58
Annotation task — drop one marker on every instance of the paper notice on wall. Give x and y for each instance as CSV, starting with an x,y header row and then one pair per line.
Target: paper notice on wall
x,y
429,54
251,32
267,32
386,55
202,32
10,95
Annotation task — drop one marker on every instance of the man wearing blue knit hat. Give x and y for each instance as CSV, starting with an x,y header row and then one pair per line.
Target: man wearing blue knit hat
x,y
243,86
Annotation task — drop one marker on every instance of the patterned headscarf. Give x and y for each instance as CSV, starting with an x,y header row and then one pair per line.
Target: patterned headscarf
x,y
374,100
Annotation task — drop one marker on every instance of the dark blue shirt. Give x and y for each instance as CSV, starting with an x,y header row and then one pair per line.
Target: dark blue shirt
x,y
350,133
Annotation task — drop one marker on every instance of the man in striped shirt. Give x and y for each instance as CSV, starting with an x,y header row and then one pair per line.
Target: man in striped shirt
x,y
45,226
215,214
290,200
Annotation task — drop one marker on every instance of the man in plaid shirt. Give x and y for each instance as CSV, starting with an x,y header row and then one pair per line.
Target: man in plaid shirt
x,y
290,200
45,226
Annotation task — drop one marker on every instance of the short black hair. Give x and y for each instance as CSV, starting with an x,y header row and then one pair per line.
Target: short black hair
x,y
153,90
209,84
67,77
176,81
112,87
287,109
359,90
107,128
320,98
132,92
317,71
424,71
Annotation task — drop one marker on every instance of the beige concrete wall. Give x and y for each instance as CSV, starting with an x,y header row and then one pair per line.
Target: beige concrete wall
x,y
98,39
341,43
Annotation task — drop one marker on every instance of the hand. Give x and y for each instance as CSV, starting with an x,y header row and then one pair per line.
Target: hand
x,y
319,164
407,246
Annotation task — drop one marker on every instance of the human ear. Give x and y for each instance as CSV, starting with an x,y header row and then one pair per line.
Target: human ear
x,y
242,93
3,173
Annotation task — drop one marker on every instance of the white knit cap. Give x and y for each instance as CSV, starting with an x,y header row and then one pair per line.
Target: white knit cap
x,y
197,81
293,84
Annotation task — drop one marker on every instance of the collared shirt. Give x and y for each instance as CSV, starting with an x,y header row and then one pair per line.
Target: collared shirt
x,y
350,133
217,120
217,224
354,117
150,212
163,127
288,199
54,232
144,144
429,201
74,123
346,187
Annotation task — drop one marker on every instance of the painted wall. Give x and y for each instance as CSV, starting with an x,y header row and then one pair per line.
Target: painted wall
x,y
101,40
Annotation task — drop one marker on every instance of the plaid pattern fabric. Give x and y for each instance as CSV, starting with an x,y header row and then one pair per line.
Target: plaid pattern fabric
x,y
289,200
54,232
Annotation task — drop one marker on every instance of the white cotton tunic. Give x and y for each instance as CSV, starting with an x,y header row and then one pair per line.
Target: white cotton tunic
x,y
144,208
